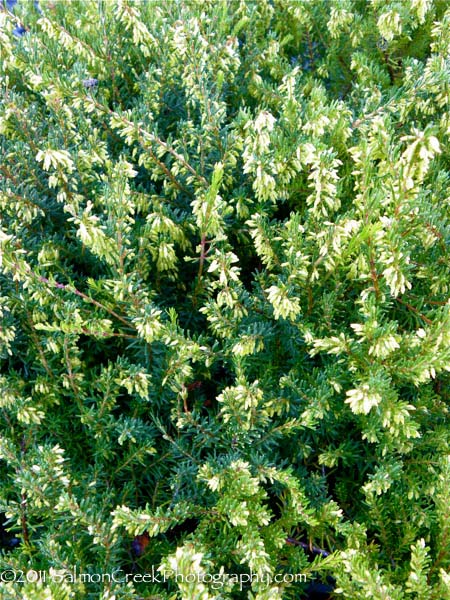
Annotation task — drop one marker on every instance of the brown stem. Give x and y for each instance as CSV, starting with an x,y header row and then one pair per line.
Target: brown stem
x,y
4,169
414,309
82,295
23,503
154,138
373,271
167,171
203,254
442,552
309,547
23,520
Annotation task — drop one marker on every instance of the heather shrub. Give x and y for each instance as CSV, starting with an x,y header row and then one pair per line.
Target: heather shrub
x,y
224,269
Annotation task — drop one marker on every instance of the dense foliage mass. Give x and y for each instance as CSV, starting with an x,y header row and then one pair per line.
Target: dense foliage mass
x,y
224,268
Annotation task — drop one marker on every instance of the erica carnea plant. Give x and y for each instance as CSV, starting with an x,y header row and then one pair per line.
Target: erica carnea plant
x,y
224,269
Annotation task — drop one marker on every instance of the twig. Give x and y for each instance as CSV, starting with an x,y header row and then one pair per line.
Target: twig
x,y
414,309
309,547
23,505
68,288
23,519
154,138
203,255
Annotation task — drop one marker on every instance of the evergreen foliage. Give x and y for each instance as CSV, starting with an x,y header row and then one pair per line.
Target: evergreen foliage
x,y
224,268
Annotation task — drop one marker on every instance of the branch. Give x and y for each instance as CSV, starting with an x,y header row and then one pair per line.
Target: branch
x,y
414,309
68,288
154,138
308,547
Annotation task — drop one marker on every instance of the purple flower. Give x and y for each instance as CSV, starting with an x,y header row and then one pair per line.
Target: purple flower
x,y
90,83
